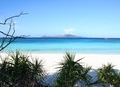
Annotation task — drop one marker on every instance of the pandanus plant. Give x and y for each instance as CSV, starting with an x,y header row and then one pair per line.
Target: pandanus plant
x,y
18,71
71,71
109,76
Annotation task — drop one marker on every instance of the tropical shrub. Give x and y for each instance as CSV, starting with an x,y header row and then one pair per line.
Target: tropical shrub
x,y
18,71
116,79
108,75
71,71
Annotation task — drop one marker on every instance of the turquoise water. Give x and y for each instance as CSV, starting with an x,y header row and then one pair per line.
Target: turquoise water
x,y
60,45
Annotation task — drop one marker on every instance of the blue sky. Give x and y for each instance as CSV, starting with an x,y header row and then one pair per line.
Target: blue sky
x,y
87,18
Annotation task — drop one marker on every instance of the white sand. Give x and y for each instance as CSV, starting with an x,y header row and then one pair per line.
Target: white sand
x,y
51,61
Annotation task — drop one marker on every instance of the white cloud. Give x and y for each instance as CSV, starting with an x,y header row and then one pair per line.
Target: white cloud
x,y
69,30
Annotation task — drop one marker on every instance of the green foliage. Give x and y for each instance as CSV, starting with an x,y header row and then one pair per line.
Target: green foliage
x,y
18,71
71,71
108,75
116,79
105,74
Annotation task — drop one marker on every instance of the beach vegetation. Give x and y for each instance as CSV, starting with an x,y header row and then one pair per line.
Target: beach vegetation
x,y
109,76
71,71
18,71
116,79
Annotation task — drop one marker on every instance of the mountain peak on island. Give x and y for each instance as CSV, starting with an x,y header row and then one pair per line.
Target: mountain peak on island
x,y
68,35
62,36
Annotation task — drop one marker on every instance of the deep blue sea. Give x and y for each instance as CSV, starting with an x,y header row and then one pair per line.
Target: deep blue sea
x,y
61,45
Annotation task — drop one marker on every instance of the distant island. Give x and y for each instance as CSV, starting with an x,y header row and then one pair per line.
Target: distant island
x,y
62,36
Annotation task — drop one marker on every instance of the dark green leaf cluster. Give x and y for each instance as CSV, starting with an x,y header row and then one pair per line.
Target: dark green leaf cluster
x,y
108,75
18,71
71,71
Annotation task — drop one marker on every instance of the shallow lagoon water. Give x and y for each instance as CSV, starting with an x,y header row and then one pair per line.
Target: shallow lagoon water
x,y
60,45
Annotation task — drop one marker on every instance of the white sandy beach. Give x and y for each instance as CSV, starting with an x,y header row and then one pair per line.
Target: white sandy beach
x,y
51,61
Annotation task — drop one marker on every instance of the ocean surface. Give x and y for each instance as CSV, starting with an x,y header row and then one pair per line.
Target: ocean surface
x,y
61,45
